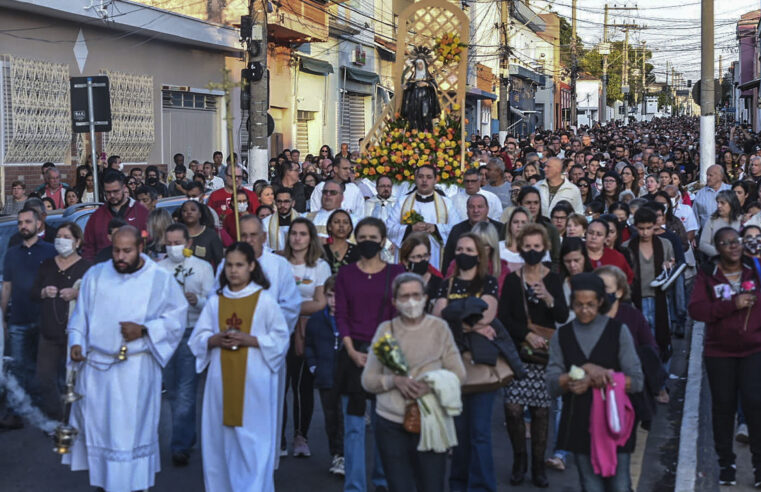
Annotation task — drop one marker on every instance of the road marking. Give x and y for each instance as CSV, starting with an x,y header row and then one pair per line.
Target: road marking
x,y
638,456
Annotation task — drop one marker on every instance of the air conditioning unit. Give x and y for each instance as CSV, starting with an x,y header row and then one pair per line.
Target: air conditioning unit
x,y
358,56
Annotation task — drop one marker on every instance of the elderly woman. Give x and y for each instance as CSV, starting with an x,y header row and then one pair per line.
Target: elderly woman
x,y
601,347
428,346
725,297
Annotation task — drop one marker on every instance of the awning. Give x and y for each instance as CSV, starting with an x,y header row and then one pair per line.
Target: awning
x,y
752,84
476,93
315,66
525,73
361,76
517,111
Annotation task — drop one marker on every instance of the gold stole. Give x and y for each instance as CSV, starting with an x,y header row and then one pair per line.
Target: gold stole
x,y
273,231
237,314
442,216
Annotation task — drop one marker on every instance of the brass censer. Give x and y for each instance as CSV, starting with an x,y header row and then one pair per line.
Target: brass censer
x,y
65,434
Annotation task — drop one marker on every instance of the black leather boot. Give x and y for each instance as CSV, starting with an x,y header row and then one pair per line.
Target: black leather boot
x,y
516,429
540,421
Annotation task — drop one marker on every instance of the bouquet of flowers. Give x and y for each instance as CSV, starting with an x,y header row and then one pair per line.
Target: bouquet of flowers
x,y
412,217
389,353
448,48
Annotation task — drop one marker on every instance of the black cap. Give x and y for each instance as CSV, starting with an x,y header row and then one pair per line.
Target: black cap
x,y
588,281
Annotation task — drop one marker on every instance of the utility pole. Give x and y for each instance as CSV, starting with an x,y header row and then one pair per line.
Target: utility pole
x,y
574,63
625,77
504,76
606,51
644,80
707,122
606,47
258,83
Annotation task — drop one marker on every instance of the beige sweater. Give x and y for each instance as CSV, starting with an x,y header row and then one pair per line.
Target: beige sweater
x,y
427,347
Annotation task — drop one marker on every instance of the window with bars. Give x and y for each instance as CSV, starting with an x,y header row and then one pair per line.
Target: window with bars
x,y
188,100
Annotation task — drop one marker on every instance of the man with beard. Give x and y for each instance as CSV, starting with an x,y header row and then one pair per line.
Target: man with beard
x,y
124,346
118,204
21,264
278,224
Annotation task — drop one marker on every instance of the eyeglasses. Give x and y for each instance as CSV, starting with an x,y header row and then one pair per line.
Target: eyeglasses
x,y
609,180
731,243
559,217
583,185
330,192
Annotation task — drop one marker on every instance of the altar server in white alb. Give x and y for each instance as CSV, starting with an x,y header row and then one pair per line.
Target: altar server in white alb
x,y
242,338
437,211
133,307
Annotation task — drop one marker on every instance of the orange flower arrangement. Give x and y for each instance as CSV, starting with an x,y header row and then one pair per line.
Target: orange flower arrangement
x,y
402,149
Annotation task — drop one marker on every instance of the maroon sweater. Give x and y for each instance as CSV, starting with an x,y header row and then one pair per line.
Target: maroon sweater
x,y
96,230
727,333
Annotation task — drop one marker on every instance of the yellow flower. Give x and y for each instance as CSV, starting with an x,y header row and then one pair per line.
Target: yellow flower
x,y
187,252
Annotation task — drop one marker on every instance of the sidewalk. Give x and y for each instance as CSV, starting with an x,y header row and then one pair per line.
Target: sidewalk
x,y
698,468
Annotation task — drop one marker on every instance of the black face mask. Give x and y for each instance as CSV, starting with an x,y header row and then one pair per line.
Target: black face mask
x,y
368,249
532,256
419,267
465,261
611,298
152,181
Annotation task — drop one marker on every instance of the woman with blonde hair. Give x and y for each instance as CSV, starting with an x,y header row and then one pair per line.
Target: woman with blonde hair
x,y
158,220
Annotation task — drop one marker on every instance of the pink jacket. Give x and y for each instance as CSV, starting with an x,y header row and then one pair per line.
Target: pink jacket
x,y
609,425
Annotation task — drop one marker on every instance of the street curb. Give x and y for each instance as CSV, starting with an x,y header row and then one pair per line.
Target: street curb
x,y
686,471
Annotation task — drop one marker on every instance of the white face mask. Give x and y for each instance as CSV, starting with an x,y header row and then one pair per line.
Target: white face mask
x,y
175,253
195,199
64,246
411,309
242,207
674,202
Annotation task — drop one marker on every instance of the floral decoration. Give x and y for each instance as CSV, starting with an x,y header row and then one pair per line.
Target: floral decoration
x,y
448,48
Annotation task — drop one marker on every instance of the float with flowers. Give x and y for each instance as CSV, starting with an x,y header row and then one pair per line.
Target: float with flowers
x,y
424,123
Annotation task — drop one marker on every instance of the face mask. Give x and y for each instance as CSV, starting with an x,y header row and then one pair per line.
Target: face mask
x,y
411,309
674,202
195,199
532,256
611,298
152,181
751,244
64,246
590,218
465,261
175,253
368,249
540,154
121,166
598,182
242,207
419,267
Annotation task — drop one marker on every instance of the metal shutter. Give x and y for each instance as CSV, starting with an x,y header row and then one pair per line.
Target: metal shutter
x,y
352,120
302,135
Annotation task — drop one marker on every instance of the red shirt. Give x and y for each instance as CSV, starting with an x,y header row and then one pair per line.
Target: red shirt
x,y
613,257
220,201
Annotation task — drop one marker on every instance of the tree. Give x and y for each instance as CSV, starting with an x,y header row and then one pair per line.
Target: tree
x,y
591,64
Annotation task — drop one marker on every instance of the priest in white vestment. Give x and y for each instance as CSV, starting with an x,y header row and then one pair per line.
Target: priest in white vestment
x,y
332,197
239,423
133,307
438,213
278,224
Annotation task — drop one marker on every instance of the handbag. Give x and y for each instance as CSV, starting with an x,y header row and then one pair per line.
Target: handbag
x,y
480,378
527,352
412,418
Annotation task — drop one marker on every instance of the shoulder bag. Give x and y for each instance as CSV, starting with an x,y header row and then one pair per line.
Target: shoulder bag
x,y
527,352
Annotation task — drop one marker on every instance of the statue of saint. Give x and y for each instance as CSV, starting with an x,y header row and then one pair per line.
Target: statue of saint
x,y
420,99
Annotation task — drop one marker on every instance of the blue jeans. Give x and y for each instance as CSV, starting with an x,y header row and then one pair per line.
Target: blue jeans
x,y
648,311
590,482
181,383
558,453
472,463
354,452
22,348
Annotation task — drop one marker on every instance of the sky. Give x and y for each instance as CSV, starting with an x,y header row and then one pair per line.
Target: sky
x,y
672,28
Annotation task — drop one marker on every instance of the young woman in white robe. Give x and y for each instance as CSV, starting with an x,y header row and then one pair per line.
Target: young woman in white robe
x,y
241,458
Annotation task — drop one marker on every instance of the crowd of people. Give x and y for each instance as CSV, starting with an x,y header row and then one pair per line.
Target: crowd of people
x,y
570,258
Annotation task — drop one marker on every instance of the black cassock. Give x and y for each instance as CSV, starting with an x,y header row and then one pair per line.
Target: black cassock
x,y
420,104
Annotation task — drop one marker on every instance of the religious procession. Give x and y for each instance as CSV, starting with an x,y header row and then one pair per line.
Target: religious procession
x,y
227,266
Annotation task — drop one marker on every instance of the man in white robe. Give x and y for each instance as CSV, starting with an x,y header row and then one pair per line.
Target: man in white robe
x,y
332,197
133,307
242,457
282,287
278,224
438,213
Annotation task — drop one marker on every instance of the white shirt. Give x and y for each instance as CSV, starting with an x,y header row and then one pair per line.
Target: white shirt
x,y
687,216
214,183
353,202
460,202
309,278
